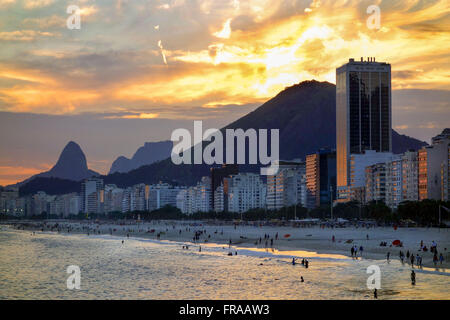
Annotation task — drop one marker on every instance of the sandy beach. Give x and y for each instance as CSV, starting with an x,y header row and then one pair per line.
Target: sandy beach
x,y
312,238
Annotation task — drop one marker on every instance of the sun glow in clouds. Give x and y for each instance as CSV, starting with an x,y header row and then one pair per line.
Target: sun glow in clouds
x,y
225,33
240,51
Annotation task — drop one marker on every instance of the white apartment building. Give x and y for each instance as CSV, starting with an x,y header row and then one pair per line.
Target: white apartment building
x,y
243,192
161,195
376,182
195,199
288,186
113,198
410,174
64,205
394,183
40,203
219,199
358,165
139,197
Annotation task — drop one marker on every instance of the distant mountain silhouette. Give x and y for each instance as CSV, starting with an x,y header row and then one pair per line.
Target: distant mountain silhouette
x,y
306,116
402,143
148,154
71,165
53,186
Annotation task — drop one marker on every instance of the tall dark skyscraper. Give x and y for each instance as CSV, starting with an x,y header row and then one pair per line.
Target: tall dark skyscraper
x,y
363,113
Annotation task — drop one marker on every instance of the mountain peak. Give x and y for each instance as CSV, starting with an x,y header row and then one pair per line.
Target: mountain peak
x,y
71,158
71,165
306,85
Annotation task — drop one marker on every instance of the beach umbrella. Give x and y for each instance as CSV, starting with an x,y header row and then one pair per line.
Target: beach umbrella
x,y
287,235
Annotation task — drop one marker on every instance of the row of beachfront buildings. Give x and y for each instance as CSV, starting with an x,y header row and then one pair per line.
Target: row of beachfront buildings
x,y
374,176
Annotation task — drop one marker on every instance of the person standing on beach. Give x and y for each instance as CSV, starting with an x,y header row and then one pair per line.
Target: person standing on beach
x,y
388,255
412,260
441,258
375,293
361,249
352,250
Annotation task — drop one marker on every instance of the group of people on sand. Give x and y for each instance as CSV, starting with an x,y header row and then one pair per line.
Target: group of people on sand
x,y
354,251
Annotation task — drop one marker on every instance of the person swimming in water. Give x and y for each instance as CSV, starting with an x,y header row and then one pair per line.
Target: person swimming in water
x,y
413,277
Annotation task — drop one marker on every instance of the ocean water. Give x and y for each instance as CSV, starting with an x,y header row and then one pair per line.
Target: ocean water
x,y
35,267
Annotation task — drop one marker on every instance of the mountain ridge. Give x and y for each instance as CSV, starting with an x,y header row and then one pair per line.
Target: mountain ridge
x,y
147,154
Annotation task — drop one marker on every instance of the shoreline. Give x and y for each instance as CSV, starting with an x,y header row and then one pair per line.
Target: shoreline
x,y
310,239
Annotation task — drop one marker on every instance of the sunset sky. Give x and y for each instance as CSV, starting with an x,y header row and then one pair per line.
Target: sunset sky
x,y
138,69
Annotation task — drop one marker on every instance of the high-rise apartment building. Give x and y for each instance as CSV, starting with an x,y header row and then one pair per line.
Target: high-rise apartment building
x,y
432,159
394,183
320,178
288,186
244,191
410,176
217,176
376,182
91,193
161,195
195,199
